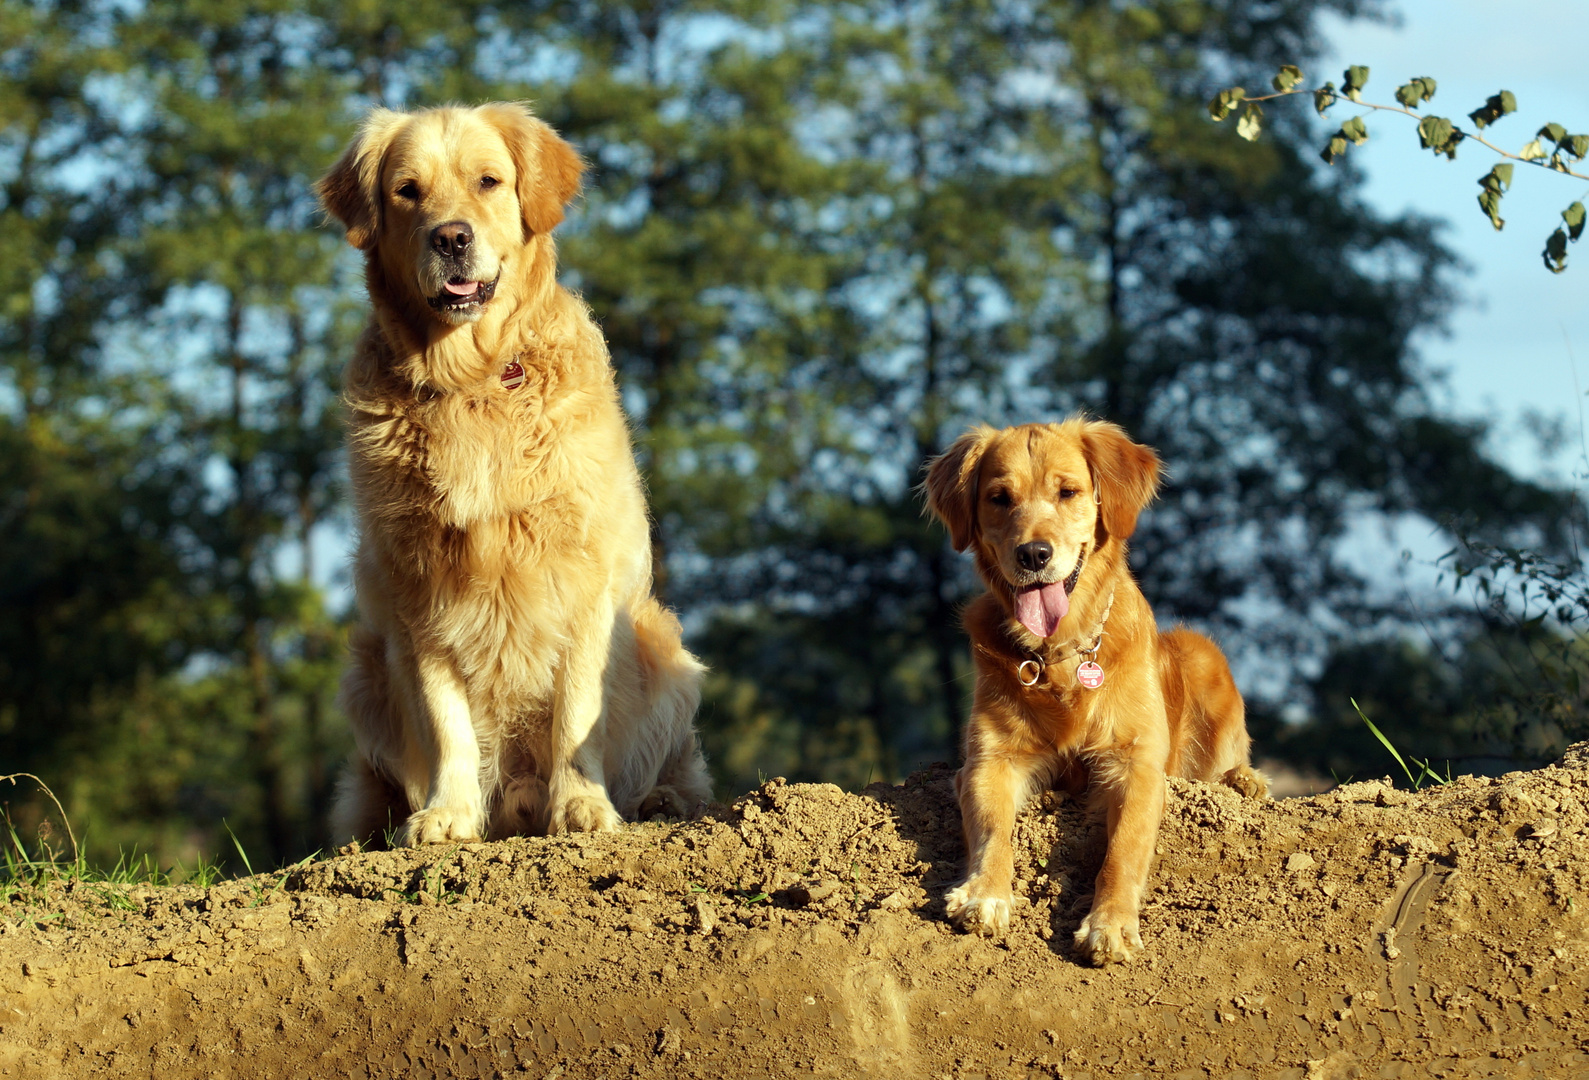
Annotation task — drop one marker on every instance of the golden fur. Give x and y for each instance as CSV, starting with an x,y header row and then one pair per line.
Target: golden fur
x,y
511,671
1167,706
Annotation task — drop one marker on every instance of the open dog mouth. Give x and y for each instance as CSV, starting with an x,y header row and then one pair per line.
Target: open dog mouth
x,y
459,293
1040,605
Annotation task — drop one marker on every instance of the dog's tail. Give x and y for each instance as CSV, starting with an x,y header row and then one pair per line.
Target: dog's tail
x,y
672,678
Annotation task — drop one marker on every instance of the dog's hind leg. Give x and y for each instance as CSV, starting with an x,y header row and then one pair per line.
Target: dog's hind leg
x,y
683,786
1247,780
369,809
369,806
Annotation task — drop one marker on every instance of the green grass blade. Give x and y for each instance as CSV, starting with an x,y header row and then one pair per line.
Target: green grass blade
x,y
238,844
1381,737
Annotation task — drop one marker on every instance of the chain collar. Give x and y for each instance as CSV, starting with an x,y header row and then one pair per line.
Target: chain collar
x,y
1034,669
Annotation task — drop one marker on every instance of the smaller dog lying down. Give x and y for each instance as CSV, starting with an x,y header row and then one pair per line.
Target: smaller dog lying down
x,y
1075,684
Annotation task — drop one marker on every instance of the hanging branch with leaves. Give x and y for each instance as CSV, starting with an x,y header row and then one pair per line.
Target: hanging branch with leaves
x,y
1435,133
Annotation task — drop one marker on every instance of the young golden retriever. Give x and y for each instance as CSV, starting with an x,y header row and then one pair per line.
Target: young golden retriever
x,y
1075,685
511,671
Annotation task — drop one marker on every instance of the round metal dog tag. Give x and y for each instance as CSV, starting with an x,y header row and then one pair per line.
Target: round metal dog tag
x,y
513,375
1089,675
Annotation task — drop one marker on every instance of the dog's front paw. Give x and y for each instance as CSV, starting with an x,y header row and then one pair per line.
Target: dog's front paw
x,y
978,910
584,813
439,825
1107,937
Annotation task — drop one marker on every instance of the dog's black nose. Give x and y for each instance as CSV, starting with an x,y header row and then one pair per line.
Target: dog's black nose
x,y
1034,556
452,239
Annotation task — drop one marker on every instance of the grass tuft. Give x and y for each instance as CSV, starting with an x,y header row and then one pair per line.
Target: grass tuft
x,y
32,874
1424,775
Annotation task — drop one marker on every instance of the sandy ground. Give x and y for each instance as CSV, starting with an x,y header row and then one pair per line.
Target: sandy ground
x,y
1366,932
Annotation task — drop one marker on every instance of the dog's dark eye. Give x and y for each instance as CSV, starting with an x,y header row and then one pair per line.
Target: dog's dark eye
x,y
408,190
1068,493
488,182
999,498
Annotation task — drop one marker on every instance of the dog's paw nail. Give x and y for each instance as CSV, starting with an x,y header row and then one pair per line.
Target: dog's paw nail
x,y
585,813
439,825
1100,940
977,914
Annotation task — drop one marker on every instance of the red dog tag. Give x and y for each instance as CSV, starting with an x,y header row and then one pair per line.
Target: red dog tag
x,y
1089,675
513,375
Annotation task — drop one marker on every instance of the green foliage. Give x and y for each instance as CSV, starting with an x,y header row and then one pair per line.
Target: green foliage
x,y
1495,182
1495,107
1418,90
1355,79
1503,684
1225,101
1435,133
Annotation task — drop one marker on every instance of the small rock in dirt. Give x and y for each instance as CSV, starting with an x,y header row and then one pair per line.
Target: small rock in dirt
x,y
809,892
1300,861
705,916
668,1041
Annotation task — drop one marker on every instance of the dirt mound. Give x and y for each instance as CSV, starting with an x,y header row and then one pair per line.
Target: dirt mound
x,y
1366,932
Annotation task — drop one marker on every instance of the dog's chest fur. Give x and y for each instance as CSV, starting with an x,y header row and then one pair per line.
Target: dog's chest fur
x,y
483,505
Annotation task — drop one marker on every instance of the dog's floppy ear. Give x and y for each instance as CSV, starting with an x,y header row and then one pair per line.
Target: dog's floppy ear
x,y
350,192
549,169
1126,475
951,484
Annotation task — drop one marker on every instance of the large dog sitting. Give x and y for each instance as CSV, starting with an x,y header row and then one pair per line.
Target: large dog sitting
x,y
511,671
1075,685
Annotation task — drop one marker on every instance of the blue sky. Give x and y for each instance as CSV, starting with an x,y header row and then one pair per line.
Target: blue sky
x,y
1514,339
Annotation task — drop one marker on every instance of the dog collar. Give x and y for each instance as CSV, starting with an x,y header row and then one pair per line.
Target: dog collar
x,y
1033,670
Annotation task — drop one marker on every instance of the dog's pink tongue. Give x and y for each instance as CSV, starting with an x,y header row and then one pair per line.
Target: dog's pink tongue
x,y
463,288
1040,607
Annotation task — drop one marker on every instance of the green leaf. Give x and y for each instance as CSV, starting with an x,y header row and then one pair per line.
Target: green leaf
x,y
1574,217
1490,203
1554,132
1355,130
1356,78
1324,97
1251,122
1500,176
1495,182
1556,252
1334,149
1436,133
1497,106
1416,90
1532,152
1577,146
1224,102
1286,78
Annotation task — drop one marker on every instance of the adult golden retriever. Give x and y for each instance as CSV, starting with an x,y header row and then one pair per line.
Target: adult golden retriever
x,y
1075,685
511,671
